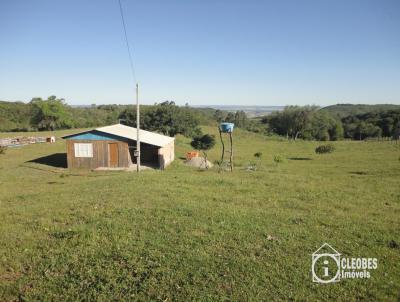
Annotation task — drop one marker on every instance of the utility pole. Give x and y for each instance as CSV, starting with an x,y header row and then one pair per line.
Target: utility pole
x,y
137,129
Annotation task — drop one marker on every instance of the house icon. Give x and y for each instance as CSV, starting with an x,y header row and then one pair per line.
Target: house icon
x,y
320,260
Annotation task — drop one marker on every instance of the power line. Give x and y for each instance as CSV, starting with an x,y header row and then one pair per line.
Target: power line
x,y
137,91
127,42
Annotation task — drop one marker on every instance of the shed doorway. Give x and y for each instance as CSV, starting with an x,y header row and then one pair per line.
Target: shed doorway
x,y
113,155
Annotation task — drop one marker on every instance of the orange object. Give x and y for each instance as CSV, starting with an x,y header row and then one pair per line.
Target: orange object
x,y
191,154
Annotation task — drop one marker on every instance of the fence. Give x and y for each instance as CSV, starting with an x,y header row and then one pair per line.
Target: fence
x,y
25,140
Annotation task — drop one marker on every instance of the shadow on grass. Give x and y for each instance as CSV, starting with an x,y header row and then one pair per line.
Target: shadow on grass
x,y
300,158
358,173
56,160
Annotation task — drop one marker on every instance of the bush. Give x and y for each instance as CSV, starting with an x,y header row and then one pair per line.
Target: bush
x,y
3,149
204,143
258,155
325,149
278,158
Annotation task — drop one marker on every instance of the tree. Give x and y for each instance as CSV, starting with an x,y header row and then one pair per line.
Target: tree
x,y
364,130
386,124
15,116
336,132
306,122
230,118
371,124
241,119
396,131
256,125
219,115
50,114
372,131
323,127
293,121
279,122
166,118
301,119
318,127
203,143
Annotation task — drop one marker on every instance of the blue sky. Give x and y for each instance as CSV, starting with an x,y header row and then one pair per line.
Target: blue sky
x,y
202,52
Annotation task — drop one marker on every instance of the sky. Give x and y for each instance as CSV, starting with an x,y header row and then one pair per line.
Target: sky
x,y
204,52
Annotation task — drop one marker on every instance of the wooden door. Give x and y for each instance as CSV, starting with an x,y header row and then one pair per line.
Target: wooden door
x,y
113,155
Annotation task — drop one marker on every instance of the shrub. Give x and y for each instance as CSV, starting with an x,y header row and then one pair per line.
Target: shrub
x,y
325,149
253,166
204,143
278,158
3,149
258,155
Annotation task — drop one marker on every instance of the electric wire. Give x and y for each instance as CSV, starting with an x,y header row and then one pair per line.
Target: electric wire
x,y
127,42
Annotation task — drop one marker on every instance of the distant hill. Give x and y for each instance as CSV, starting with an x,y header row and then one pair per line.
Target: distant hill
x,y
251,111
343,110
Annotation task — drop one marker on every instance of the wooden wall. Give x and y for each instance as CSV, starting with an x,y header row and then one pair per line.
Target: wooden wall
x,y
100,154
153,155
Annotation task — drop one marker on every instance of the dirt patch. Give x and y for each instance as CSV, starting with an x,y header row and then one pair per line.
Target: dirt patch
x,y
10,276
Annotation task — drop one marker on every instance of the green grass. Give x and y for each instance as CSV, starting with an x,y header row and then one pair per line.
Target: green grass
x,y
184,234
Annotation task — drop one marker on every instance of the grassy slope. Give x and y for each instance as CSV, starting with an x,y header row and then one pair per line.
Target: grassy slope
x,y
184,234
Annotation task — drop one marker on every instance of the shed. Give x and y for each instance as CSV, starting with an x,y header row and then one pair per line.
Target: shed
x,y
113,147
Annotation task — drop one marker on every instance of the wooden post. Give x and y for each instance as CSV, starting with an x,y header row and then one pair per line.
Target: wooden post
x,y
231,155
137,129
223,149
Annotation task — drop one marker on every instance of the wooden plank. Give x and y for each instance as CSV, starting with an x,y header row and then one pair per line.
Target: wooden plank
x,y
101,154
113,154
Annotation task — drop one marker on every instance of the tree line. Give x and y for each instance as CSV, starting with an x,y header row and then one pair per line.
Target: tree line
x,y
373,124
306,122
314,123
240,119
294,122
53,113
167,118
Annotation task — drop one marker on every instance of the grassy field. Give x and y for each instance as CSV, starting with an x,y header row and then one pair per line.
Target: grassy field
x,y
189,235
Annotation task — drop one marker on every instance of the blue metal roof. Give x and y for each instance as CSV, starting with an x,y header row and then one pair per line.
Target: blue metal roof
x,y
95,135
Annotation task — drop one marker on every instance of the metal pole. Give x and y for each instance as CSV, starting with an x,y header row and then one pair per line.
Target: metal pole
x,y
137,129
